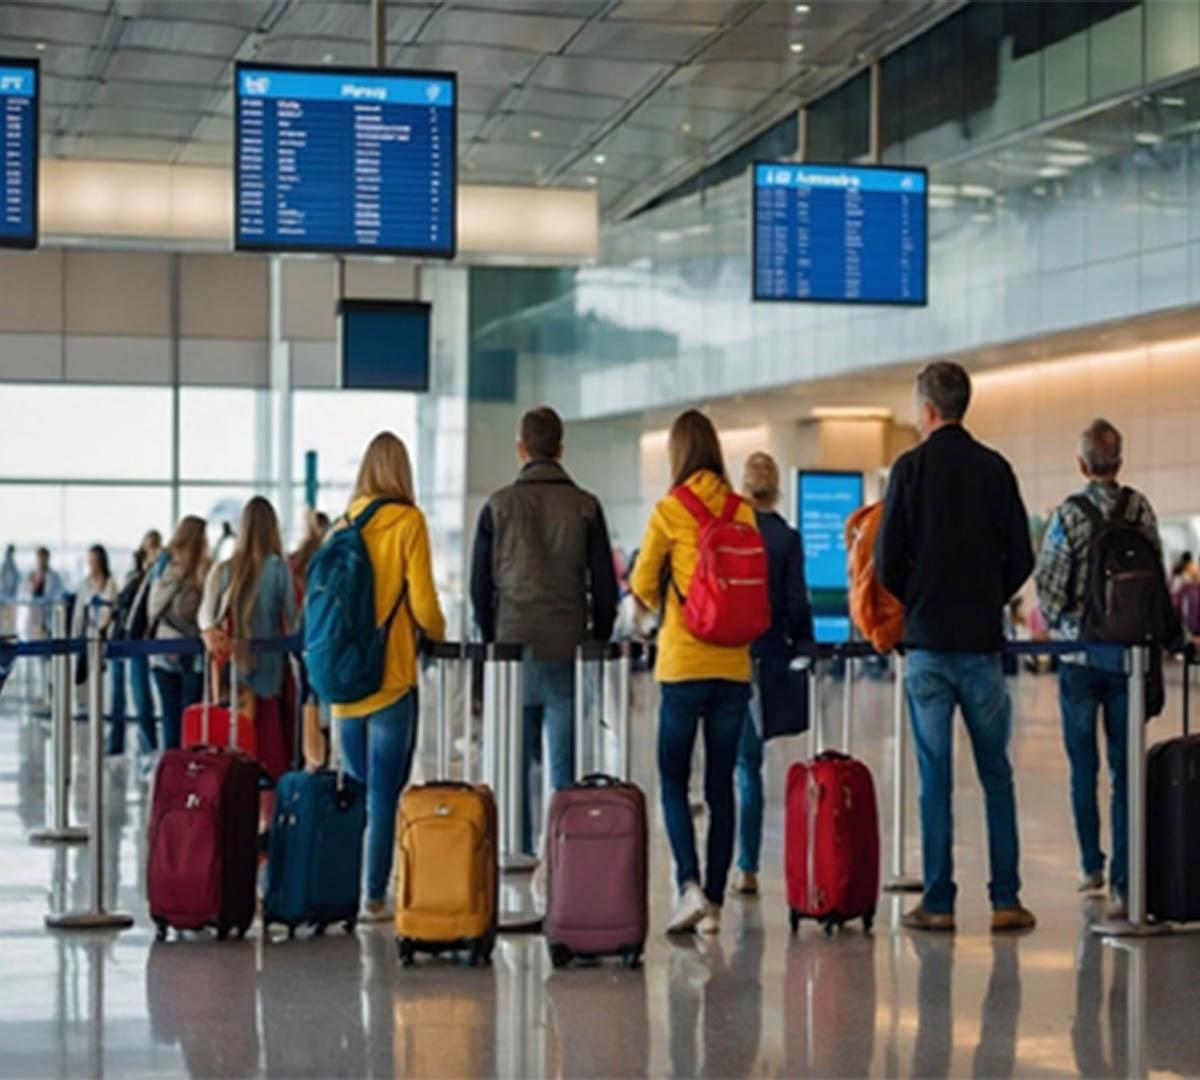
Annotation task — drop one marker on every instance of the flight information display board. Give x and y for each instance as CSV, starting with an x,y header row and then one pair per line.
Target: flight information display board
x,y
838,233
824,503
345,159
19,83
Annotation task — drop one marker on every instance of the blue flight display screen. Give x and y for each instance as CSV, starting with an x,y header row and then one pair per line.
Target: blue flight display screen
x,y
824,503
839,233
346,160
18,153
384,345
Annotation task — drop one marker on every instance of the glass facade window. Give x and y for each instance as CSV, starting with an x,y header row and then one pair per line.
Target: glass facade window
x,y
217,434
338,424
839,125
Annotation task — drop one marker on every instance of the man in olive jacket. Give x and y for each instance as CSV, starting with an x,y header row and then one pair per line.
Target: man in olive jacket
x,y
542,576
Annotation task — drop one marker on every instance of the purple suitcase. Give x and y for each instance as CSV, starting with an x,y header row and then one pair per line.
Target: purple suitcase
x,y
596,881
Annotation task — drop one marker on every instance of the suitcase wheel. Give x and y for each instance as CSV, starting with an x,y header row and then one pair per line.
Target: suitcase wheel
x,y
351,924
319,929
222,932
868,922
160,932
291,932
406,951
632,959
560,956
794,920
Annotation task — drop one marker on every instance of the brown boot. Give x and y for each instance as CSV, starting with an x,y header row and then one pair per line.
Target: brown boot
x,y
920,919
1006,920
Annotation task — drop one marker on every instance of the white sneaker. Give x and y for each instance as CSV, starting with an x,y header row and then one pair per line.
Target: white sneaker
x,y
711,923
690,908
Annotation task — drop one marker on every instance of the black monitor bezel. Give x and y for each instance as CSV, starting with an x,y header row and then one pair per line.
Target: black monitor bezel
x,y
754,294
440,254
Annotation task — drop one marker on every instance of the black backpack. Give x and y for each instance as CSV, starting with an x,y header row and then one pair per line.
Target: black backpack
x,y
1126,598
129,612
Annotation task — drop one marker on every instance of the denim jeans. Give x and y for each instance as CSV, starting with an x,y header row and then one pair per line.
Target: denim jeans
x,y
720,705
750,791
378,752
176,690
549,704
1084,694
937,682
138,670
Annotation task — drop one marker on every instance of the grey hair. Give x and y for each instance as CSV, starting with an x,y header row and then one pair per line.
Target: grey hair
x,y
947,387
1100,448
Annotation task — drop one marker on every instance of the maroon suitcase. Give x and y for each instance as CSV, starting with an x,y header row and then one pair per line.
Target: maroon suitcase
x,y
203,841
596,881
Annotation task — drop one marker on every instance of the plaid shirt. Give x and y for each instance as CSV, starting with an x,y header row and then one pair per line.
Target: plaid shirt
x,y
1061,571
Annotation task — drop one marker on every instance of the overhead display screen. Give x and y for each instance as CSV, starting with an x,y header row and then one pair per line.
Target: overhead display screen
x,y
341,159
840,234
384,345
824,503
19,83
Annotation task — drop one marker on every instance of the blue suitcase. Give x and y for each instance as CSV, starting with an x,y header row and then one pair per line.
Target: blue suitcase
x,y
314,865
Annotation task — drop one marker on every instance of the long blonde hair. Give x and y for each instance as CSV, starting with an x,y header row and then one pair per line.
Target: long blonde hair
x,y
693,445
386,471
257,540
760,481
188,549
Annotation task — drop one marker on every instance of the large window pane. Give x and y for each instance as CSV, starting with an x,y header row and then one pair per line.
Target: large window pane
x,y
338,424
69,518
1172,37
220,506
85,432
218,434
1115,47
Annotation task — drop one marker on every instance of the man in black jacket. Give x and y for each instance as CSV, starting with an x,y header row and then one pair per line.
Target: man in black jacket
x,y
542,576
954,547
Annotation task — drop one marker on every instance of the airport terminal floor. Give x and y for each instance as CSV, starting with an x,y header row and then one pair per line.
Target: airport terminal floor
x,y
754,1001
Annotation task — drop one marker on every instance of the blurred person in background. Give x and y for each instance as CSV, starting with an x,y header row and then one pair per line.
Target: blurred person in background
x,y
316,526
10,589
44,586
128,622
98,587
176,584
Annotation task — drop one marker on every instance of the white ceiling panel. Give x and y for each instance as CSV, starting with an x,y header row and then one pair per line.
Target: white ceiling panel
x,y
116,94
532,33
608,77
697,123
109,148
656,42
50,22
305,50
115,123
550,132
202,38
515,159
571,106
484,64
697,12
244,13
146,66
753,43
740,74
200,153
579,9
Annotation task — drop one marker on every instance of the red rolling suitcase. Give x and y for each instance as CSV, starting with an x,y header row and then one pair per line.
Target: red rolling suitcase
x,y
204,838
212,729
596,844
831,840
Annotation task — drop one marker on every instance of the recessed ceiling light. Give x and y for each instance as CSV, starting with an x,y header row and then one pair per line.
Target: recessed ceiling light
x,y
327,58
591,179
40,46
1051,172
802,9
600,159
535,134
797,46
1147,138
685,127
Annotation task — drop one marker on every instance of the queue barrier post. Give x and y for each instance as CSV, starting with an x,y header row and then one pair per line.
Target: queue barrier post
x,y
443,653
900,880
96,917
58,788
1138,923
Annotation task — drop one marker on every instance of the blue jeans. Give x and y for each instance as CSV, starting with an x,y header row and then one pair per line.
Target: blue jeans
x,y
750,791
1084,693
176,690
138,668
936,683
378,752
549,704
721,706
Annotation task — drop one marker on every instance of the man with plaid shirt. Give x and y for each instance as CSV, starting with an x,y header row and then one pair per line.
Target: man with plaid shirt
x,y
1089,681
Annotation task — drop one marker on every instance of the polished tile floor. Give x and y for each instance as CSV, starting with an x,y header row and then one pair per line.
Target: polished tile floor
x,y
755,1002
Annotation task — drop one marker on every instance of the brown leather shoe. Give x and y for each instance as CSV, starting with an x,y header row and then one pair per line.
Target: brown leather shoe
x,y
920,919
1006,920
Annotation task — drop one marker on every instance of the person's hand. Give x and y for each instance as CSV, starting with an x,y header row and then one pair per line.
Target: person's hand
x,y
216,641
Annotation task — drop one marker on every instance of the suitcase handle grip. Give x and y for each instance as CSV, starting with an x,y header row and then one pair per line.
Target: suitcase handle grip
x,y
599,779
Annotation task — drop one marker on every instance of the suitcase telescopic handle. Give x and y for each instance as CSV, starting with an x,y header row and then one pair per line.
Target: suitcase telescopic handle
x,y
599,779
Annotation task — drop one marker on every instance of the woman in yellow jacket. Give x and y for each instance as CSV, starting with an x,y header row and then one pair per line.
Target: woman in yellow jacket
x,y
379,732
701,683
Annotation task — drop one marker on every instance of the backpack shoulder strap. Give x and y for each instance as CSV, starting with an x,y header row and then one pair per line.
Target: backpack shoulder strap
x,y
1121,509
693,504
372,509
1089,510
729,511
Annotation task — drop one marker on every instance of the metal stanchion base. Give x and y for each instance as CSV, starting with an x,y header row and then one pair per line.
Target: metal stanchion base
x,y
903,885
1123,928
76,834
521,921
90,920
518,864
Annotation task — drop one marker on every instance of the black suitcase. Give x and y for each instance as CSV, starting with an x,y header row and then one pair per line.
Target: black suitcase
x,y
1173,825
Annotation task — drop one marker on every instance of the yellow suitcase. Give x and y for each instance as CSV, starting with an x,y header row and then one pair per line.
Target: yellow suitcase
x,y
446,871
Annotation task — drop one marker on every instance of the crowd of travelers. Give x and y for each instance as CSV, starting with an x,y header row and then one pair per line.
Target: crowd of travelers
x,y
953,548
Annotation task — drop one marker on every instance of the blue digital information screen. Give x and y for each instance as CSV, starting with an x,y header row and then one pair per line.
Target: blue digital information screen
x,y
341,159
384,345
19,83
824,503
839,233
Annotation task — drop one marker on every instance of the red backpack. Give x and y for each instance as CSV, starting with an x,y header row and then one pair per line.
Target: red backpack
x,y
728,603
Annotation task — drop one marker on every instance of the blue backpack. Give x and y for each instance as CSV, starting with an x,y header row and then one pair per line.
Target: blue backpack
x,y
344,649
